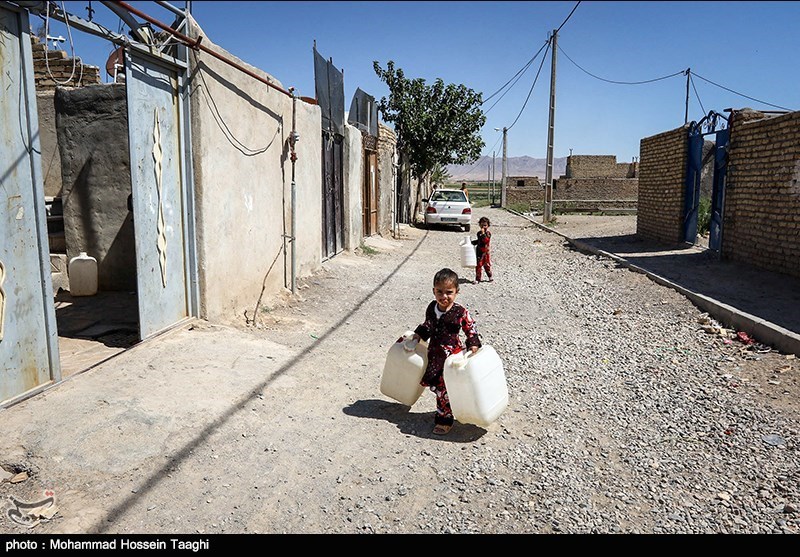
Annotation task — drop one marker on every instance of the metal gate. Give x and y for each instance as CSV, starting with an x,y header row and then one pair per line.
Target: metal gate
x,y
161,200
718,191
28,334
332,194
693,179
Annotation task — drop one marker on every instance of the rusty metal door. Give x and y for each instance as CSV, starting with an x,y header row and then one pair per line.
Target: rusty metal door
x,y
28,333
159,193
332,194
370,193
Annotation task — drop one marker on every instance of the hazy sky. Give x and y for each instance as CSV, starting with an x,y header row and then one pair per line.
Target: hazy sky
x,y
750,48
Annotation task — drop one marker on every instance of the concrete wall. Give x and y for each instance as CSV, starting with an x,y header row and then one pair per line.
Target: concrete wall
x,y
353,186
48,139
92,124
761,219
662,183
51,69
243,175
387,147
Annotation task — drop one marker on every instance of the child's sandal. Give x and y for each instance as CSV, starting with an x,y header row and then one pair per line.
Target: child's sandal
x,y
442,429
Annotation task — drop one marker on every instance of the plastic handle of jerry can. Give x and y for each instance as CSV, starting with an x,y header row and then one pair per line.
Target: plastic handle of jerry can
x,y
410,344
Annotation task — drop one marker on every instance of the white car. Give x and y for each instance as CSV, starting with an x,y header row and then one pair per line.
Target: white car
x,y
449,207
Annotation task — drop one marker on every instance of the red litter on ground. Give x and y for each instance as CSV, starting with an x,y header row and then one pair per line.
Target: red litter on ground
x,y
741,336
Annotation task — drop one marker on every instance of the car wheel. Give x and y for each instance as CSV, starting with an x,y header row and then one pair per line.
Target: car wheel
x,y
465,227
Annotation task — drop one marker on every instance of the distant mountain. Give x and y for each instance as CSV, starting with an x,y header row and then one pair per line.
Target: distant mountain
x,y
517,166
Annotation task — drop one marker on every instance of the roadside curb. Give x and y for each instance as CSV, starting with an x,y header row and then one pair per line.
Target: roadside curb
x,y
769,333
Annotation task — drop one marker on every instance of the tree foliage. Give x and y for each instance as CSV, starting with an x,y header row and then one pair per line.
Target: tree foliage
x,y
436,125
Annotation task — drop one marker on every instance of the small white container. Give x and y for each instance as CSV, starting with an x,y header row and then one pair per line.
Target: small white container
x,y
82,273
476,385
468,257
405,365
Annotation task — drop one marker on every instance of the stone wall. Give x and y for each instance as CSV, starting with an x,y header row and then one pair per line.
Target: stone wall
x,y
662,174
761,219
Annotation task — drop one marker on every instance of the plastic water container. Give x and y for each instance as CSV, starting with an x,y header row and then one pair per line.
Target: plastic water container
x,y
476,385
405,365
468,257
82,272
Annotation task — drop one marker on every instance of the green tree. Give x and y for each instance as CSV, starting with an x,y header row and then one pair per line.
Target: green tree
x,y
440,175
436,125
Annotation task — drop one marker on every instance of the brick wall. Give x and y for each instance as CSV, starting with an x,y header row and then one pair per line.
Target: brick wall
x,y
662,176
60,73
522,182
596,166
761,219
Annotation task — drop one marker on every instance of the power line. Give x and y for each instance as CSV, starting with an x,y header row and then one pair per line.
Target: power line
x,y
696,94
479,158
522,70
515,82
741,94
618,82
531,89
569,16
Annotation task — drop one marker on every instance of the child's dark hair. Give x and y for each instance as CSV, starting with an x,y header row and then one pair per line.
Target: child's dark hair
x,y
446,276
484,219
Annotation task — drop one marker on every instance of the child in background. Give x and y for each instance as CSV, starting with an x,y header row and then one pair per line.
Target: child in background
x,y
482,250
443,320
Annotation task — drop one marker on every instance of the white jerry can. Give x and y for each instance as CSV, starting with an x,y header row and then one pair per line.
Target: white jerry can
x,y
476,385
405,365
82,274
468,257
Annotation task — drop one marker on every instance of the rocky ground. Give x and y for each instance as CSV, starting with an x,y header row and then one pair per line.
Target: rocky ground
x,y
627,412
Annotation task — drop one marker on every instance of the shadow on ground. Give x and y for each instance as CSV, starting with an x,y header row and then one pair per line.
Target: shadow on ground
x,y
419,424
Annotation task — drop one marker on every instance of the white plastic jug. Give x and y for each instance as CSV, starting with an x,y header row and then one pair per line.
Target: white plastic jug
x,y
468,257
476,385
405,365
82,272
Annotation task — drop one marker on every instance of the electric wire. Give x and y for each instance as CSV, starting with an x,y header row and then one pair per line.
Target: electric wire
x,y
695,93
569,16
741,94
479,158
71,46
618,82
212,105
530,91
516,75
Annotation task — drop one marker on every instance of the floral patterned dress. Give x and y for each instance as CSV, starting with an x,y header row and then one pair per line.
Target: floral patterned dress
x,y
442,335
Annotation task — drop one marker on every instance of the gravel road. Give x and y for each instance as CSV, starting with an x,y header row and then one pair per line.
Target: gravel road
x,y
625,415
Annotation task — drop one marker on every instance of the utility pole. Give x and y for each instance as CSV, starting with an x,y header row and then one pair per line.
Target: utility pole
x,y
548,188
505,168
493,177
688,73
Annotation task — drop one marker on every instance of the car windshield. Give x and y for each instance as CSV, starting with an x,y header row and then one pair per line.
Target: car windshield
x,y
449,196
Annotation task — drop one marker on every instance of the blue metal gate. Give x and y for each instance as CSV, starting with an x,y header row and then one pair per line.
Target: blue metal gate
x,y
718,191
28,335
161,198
694,170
